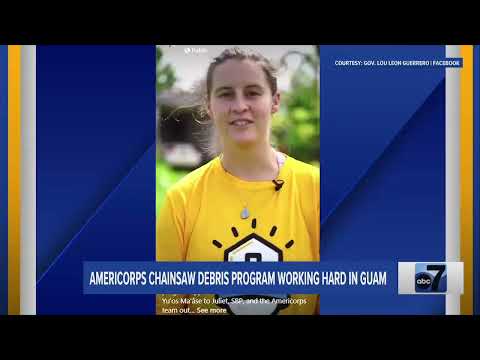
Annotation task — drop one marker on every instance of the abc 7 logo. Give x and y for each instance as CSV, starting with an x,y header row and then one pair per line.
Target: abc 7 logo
x,y
428,282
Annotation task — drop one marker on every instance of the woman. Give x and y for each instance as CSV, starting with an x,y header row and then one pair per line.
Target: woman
x,y
251,202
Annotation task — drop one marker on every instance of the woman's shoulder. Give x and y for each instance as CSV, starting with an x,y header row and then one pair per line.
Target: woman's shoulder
x,y
307,178
303,169
190,181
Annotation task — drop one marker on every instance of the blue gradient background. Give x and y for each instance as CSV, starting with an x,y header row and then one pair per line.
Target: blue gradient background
x,y
95,171
383,168
3,179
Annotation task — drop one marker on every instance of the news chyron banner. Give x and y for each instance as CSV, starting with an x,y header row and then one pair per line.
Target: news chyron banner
x,y
93,138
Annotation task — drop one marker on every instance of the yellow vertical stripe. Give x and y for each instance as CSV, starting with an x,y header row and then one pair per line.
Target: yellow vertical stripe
x,y
466,178
14,176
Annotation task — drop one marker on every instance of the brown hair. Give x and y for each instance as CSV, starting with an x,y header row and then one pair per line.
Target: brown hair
x,y
239,54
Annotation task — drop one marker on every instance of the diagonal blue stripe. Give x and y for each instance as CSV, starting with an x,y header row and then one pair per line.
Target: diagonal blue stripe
x,y
397,212
95,117
372,165
97,210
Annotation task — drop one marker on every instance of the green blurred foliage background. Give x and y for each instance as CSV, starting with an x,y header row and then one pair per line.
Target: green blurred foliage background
x,y
296,128
165,74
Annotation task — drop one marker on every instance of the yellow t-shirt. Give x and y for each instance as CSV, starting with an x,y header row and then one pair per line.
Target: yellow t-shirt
x,y
201,220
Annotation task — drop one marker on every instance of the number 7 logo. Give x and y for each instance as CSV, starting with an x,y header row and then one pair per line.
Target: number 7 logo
x,y
430,278
436,280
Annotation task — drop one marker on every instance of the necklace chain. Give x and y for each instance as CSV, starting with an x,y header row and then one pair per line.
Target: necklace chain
x,y
245,213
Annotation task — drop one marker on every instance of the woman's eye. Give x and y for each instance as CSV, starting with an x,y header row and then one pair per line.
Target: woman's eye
x,y
253,93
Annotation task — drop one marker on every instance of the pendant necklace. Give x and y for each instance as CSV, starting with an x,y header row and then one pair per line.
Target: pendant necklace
x,y
245,213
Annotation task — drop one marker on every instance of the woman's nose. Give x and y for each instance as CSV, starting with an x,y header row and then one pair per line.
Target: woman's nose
x,y
239,105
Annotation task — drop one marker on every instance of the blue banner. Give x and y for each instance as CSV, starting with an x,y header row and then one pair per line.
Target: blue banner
x,y
239,278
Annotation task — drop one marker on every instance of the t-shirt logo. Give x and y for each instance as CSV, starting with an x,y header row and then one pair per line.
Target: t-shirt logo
x,y
253,247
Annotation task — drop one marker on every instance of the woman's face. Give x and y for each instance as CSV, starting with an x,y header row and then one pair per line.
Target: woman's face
x,y
241,103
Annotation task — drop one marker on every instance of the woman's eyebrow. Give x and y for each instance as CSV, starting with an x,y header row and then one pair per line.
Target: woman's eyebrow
x,y
222,88
256,86
229,88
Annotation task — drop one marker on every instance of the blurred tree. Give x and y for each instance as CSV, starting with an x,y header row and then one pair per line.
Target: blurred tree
x,y
165,74
296,129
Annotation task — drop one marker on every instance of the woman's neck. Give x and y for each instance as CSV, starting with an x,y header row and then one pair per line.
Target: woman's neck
x,y
251,164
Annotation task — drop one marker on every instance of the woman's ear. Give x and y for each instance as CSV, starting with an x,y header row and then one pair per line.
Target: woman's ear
x,y
276,103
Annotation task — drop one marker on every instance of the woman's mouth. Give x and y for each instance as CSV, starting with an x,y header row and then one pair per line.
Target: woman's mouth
x,y
241,122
